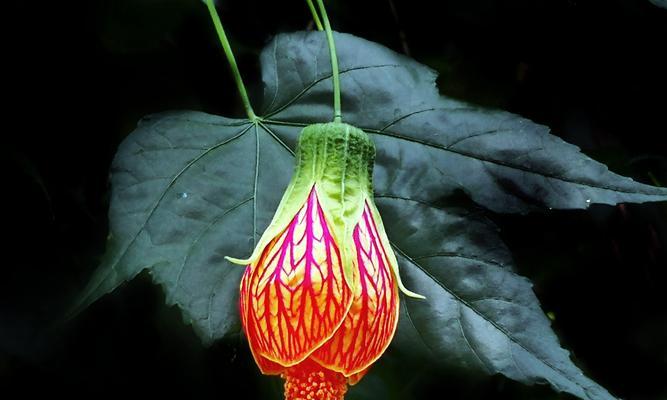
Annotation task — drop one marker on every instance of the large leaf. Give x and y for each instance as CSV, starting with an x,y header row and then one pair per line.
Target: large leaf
x,y
189,188
435,145
480,315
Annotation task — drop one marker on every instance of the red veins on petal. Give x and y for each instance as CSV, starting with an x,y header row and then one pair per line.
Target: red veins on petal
x,y
265,365
371,322
295,296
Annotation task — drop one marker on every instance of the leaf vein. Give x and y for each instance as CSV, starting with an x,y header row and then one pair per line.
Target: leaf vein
x,y
490,321
323,78
201,235
112,267
465,338
482,159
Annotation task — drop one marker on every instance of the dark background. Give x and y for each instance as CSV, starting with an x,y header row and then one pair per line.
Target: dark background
x,y
79,74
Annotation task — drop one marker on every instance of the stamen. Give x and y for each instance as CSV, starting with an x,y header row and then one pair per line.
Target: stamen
x,y
310,381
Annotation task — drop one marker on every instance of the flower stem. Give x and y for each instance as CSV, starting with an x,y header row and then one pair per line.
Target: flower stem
x,y
230,58
316,17
334,63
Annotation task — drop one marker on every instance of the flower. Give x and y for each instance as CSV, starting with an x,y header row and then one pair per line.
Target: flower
x,y
319,296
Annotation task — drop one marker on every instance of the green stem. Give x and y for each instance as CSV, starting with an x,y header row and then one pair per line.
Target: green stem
x,y
316,17
232,61
334,63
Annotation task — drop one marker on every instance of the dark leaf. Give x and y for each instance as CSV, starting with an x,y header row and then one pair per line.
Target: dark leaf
x,y
479,314
433,145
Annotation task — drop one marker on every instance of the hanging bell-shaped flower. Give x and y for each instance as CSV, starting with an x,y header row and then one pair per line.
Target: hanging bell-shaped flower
x,y
319,297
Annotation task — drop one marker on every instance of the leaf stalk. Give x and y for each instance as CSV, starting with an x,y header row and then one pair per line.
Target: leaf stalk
x,y
231,60
316,18
334,63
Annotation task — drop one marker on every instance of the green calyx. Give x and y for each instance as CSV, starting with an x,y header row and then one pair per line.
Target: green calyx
x,y
337,159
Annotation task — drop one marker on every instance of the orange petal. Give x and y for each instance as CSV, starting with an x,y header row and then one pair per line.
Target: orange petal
x,y
355,378
266,366
295,296
370,325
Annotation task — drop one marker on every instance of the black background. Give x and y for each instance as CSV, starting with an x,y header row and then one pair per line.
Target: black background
x,y
79,74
